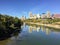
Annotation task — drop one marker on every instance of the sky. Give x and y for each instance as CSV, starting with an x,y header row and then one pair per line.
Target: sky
x,y
21,8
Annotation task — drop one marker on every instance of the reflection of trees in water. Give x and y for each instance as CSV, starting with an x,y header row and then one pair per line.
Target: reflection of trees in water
x,y
5,34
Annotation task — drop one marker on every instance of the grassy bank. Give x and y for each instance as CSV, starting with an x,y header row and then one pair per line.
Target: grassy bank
x,y
47,25
54,23
44,21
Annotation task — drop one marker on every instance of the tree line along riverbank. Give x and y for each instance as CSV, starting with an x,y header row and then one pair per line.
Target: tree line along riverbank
x,y
9,21
54,23
9,25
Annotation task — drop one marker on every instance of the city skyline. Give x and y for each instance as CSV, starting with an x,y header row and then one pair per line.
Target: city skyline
x,y
23,7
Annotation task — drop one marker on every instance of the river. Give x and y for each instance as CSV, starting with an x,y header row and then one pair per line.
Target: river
x,y
34,35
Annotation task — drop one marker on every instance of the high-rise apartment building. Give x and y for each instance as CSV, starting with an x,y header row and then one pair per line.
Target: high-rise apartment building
x,y
48,14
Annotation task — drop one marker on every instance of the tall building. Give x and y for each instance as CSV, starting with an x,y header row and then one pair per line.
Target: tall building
x,y
31,15
35,16
38,16
48,14
43,15
23,18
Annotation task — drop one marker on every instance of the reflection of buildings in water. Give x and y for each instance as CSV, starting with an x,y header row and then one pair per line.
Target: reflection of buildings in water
x,y
33,28
38,29
23,26
30,29
46,30
42,29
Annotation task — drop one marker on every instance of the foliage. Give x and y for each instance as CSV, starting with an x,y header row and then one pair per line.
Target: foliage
x,y
45,21
6,21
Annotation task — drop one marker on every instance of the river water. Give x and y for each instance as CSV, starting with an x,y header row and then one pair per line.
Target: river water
x,y
34,35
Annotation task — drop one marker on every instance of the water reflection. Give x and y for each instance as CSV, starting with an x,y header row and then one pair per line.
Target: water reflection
x,y
40,35
32,35
38,28
33,28
5,35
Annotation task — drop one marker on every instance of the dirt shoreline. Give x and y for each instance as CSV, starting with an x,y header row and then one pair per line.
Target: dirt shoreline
x,y
48,25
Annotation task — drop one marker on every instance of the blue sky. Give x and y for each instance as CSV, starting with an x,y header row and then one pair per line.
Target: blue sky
x,y
23,7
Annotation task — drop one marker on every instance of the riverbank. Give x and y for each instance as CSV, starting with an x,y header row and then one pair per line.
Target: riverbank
x,y
48,25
